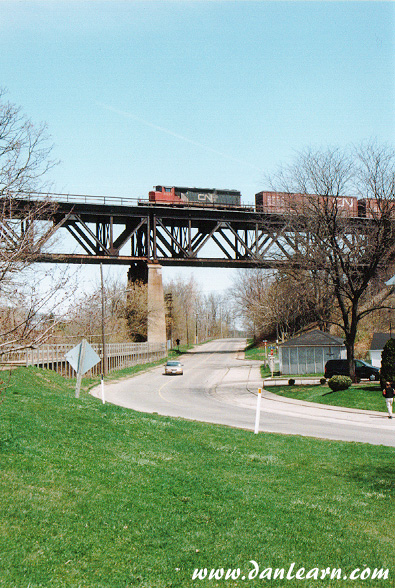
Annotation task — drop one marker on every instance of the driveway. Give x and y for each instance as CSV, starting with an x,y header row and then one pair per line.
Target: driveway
x,y
220,386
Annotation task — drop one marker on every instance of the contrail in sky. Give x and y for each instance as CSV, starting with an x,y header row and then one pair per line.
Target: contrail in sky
x,y
176,135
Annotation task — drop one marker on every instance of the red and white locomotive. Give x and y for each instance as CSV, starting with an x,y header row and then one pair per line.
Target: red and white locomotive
x,y
195,196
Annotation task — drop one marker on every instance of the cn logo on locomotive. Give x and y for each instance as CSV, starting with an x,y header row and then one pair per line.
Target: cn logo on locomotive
x,y
207,197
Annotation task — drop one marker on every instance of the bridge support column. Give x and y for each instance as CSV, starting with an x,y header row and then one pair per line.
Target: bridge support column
x,y
156,331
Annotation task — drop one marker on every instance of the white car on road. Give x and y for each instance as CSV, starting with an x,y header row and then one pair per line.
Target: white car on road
x,y
174,366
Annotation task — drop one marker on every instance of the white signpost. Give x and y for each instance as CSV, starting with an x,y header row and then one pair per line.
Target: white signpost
x,y
271,364
258,411
82,358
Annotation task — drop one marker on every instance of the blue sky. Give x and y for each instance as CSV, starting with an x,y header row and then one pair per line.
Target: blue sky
x,y
196,93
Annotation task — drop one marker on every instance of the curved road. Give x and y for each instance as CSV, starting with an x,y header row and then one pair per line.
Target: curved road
x,y
220,386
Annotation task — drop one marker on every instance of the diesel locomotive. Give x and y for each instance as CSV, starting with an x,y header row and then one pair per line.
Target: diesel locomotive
x,y
195,196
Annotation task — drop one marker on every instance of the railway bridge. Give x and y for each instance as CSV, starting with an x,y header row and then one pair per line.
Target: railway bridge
x,y
145,236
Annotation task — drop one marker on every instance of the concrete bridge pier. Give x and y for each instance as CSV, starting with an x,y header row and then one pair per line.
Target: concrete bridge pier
x,y
151,274
156,318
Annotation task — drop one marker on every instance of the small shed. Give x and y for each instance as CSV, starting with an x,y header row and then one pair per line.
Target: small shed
x,y
309,352
376,347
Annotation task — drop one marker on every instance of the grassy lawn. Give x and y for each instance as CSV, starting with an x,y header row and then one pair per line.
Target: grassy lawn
x,y
97,496
365,396
252,352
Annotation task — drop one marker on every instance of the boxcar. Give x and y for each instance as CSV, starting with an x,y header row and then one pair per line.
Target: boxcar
x,y
373,208
288,203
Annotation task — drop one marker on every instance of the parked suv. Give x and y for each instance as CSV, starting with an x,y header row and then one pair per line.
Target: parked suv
x,y
363,370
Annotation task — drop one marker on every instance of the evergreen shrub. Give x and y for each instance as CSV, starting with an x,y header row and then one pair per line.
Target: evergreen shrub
x,y
337,383
387,372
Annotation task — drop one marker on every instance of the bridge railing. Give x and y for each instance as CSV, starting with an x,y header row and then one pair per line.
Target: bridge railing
x,y
82,198
53,357
126,201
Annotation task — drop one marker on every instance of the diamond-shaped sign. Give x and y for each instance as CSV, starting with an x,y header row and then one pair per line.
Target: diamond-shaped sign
x,y
82,362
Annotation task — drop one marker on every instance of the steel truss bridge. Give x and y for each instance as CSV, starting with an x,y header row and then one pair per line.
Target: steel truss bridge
x,y
125,231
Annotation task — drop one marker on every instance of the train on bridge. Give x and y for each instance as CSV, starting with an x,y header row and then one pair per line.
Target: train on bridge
x,y
266,202
174,195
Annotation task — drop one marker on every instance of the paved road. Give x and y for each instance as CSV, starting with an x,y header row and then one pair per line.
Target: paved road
x,y
219,386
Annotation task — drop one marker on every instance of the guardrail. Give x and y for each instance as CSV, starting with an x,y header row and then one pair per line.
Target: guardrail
x,y
118,356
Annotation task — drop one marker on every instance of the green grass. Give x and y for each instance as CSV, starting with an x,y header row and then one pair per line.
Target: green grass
x,y
255,353
360,396
96,496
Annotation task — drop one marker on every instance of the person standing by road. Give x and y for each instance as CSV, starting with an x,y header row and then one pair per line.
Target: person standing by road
x,y
389,394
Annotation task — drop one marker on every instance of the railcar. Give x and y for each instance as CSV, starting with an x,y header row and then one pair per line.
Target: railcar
x,y
196,196
374,208
286,203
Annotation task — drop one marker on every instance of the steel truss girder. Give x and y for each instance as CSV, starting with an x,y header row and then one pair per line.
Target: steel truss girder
x,y
9,238
159,238
233,240
171,236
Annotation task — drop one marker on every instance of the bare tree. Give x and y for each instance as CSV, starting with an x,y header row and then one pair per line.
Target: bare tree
x,y
124,314
278,304
35,305
25,227
25,151
185,296
193,316
249,294
136,310
343,254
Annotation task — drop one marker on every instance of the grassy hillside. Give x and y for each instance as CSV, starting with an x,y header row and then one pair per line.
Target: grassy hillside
x,y
103,497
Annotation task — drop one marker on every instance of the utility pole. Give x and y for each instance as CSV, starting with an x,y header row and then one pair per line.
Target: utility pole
x,y
103,330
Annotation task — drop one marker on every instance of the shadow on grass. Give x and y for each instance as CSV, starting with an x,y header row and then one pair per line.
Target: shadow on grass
x,y
380,478
369,388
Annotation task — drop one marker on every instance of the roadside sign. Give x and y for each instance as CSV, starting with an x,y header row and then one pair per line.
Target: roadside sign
x,y
75,358
82,358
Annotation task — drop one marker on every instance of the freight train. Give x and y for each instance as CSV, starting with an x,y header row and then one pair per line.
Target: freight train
x,y
265,202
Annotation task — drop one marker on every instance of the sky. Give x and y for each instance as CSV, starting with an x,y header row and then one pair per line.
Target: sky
x,y
214,94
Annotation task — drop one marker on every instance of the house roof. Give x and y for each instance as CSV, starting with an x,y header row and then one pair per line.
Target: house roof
x,y
314,338
379,340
